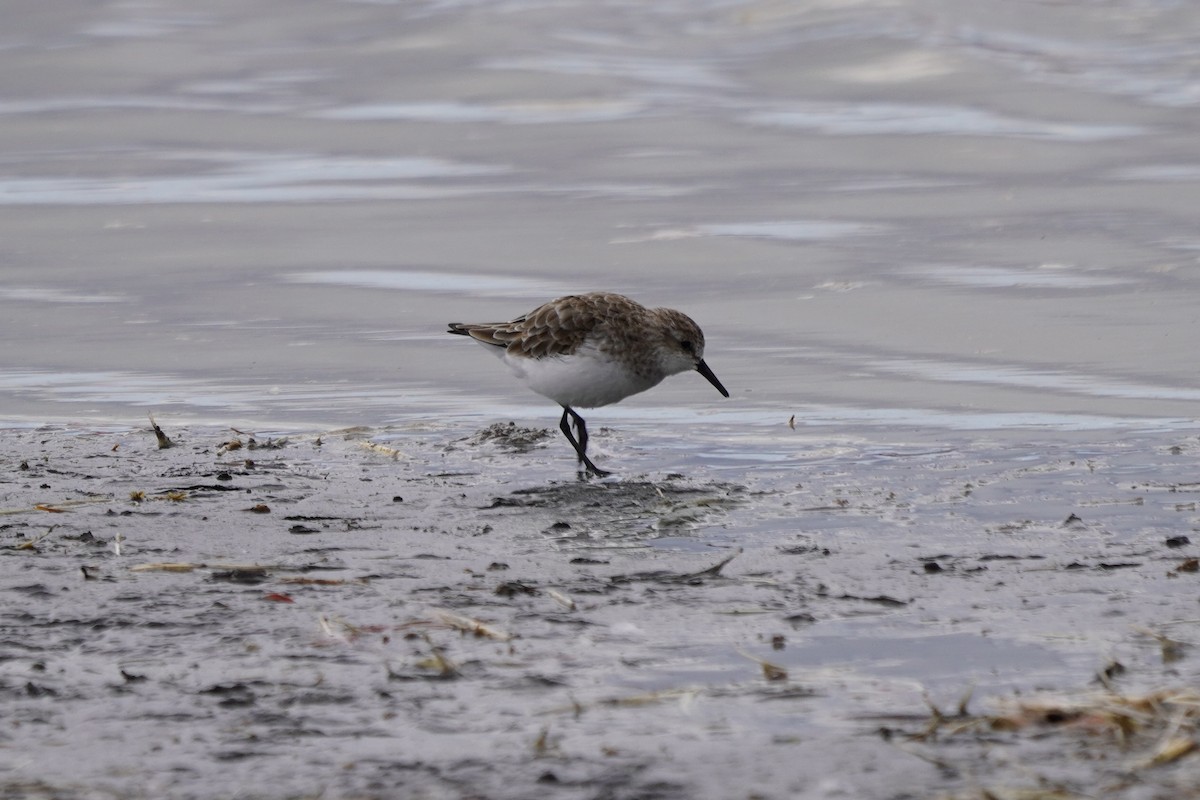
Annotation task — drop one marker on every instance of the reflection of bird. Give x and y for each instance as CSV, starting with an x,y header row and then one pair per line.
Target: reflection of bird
x,y
594,349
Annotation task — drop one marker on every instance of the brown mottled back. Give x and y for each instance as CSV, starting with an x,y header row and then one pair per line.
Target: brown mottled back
x,y
559,327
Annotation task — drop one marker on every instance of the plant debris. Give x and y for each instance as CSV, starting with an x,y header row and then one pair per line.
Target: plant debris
x,y
163,441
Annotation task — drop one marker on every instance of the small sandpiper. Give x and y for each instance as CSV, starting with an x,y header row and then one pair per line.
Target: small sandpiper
x,y
589,350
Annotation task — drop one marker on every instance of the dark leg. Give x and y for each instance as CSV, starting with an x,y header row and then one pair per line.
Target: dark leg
x,y
580,431
579,444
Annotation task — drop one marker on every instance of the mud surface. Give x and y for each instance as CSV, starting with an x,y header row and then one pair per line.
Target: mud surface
x,y
426,612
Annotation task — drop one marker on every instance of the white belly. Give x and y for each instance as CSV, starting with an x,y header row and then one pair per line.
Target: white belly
x,y
581,380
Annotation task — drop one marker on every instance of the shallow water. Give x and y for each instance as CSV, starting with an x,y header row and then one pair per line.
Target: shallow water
x,y
950,241
250,210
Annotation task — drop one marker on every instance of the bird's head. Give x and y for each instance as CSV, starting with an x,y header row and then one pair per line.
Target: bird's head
x,y
682,348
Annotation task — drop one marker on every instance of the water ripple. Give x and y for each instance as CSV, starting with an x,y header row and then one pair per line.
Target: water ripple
x,y
1048,276
256,178
528,113
420,281
876,119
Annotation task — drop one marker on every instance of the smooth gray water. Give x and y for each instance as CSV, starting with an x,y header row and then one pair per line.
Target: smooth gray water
x,y
249,210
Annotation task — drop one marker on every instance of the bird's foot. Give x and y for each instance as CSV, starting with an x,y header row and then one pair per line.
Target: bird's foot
x,y
587,469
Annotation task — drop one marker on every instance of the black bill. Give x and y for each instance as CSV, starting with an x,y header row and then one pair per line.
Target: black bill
x,y
703,369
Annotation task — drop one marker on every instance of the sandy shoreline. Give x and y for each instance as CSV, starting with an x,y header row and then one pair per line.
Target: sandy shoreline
x,y
368,612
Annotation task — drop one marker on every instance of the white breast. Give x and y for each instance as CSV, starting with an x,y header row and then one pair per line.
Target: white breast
x,y
585,379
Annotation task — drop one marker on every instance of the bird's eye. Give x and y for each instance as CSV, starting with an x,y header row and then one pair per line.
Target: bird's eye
x,y
687,346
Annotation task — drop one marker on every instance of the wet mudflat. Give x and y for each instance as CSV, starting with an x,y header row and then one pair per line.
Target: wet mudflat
x,y
423,611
